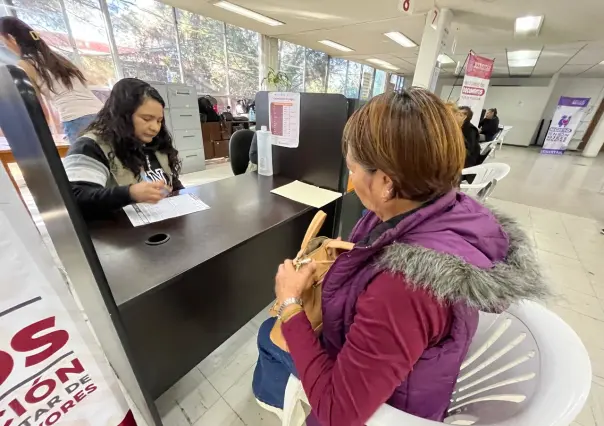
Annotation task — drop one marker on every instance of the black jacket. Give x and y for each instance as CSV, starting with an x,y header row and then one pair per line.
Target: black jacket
x,y
88,171
472,141
490,127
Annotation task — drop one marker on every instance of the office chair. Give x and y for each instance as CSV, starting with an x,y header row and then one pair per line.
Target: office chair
x,y
239,150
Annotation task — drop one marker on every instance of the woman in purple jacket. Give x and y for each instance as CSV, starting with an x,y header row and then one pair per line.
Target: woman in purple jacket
x,y
401,308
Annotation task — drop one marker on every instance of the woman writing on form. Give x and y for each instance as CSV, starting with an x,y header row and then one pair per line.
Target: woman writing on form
x,y
126,155
53,76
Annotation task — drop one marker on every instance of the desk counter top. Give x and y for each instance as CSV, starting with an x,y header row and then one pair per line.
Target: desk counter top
x,y
241,207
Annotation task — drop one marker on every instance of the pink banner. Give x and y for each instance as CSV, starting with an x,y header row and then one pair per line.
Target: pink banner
x,y
475,84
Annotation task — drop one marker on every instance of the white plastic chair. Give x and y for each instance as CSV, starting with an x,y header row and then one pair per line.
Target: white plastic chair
x,y
502,135
525,367
485,174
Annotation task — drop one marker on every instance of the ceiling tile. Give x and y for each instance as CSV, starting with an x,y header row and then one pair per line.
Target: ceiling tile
x,y
574,69
588,57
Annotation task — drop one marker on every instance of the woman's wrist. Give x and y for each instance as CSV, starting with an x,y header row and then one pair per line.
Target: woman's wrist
x,y
290,311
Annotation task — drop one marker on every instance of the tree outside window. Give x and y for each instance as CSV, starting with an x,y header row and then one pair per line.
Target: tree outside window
x,y
337,76
202,52
354,80
145,33
242,46
316,71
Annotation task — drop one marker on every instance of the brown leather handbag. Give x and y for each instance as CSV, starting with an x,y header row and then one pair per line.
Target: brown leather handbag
x,y
324,252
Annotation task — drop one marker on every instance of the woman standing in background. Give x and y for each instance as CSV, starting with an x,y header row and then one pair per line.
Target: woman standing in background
x,y
53,76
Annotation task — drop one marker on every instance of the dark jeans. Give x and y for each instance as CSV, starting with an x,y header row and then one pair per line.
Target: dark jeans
x,y
273,368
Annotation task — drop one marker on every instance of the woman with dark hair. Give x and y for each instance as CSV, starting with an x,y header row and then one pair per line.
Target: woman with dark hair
x,y
489,126
400,309
53,76
126,155
470,135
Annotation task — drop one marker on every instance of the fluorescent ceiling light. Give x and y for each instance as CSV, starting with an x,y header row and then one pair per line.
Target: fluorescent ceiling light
x,y
400,39
528,25
248,13
522,63
336,45
523,54
383,64
444,59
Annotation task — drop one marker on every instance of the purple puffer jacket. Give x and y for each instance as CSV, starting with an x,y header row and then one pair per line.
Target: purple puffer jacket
x,y
465,254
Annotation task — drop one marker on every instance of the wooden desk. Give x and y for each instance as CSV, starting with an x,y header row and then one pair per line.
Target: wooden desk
x,y
179,301
6,157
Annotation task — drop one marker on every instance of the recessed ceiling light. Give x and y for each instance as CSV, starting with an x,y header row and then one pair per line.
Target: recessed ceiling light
x,y
383,64
401,39
523,54
444,59
248,13
528,25
336,45
522,62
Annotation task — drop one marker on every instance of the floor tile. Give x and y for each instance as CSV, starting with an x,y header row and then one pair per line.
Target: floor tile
x,y
220,415
581,303
175,416
238,363
199,401
256,322
226,353
547,221
597,403
241,399
555,244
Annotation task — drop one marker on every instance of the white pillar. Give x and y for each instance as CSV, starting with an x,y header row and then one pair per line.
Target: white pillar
x,y
431,47
592,149
269,58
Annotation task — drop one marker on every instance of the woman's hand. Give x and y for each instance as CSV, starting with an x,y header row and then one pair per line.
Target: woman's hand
x,y
292,283
148,192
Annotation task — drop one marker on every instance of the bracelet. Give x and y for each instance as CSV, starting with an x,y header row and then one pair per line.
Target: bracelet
x,y
292,313
287,302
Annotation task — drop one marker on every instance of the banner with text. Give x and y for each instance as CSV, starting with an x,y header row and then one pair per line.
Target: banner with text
x,y
52,372
564,124
475,84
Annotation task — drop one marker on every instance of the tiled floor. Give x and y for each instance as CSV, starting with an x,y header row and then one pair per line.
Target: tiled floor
x,y
559,202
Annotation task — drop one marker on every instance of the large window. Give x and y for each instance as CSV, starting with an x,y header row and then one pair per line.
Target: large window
x,y
315,71
379,82
354,80
92,42
242,47
337,75
202,51
146,38
366,82
291,60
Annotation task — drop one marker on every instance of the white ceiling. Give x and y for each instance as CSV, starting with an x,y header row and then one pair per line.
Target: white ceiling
x,y
571,39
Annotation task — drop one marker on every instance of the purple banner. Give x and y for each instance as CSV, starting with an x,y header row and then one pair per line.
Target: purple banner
x,y
573,102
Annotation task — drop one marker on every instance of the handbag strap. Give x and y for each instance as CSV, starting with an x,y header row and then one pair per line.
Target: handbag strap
x,y
339,245
313,229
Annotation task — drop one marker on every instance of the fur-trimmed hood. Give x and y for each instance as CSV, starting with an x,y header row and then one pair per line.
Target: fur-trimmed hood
x,y
454,278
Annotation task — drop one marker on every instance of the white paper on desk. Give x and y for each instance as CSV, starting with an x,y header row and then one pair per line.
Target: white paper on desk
x,y
180,205
307,194
284,118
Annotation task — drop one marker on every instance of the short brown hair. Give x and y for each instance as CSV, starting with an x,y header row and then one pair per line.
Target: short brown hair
x,y
413,138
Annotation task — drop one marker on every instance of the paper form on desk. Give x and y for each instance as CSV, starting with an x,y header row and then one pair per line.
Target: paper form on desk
x,y
180,205
307,194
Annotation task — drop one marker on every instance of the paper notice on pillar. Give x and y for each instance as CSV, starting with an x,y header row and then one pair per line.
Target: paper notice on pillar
x,y
567,118
284,118
475,84
51,369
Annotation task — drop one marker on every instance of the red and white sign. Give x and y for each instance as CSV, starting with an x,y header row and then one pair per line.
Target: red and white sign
x,y
475,84
51,370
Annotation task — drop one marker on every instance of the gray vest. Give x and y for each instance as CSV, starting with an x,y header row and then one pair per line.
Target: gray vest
x,y
121,175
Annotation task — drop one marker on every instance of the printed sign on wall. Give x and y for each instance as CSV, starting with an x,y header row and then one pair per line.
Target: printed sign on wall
x,y
475,84
564,124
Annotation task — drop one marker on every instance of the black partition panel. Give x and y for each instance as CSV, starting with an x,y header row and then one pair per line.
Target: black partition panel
x,y
318,160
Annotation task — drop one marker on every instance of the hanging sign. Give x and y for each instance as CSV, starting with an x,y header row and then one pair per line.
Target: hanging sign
x,y
52,372
564,124
475,84
407,6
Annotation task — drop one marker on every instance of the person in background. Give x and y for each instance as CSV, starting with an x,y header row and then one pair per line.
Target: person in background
x,y
489,126
400,309
53,76
463,116
126,155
